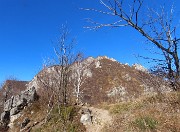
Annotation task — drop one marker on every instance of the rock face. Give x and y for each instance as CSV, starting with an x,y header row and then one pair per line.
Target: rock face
x,y
17,103
11,88
5,116
25,122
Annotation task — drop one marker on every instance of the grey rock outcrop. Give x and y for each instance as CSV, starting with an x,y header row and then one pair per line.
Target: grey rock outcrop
x,y
14,111
8,104
19,100
17,103
25,122
5,116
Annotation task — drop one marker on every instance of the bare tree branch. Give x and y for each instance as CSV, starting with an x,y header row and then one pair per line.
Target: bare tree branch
x,y
157,29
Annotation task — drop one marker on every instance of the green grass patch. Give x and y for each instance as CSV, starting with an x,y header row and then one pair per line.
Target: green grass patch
x,y
119,108
145,123
64,113
124,107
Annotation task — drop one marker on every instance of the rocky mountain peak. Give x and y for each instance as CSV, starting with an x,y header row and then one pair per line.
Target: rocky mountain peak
x,y
139,67
101,79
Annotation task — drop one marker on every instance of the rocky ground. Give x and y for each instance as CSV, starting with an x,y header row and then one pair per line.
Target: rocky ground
x,y
99,119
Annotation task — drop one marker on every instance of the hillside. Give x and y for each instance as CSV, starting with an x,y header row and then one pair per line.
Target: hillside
x,y
110,80
114,97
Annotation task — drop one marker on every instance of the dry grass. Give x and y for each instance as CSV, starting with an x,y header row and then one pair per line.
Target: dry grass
x,y
159,113
113,75
35,112
68,119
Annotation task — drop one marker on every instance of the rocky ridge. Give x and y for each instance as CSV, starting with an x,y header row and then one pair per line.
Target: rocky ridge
x,y
110,79
14,105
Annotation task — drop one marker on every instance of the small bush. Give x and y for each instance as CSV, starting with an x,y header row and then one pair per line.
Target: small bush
x,y
63,118
145,123
66,113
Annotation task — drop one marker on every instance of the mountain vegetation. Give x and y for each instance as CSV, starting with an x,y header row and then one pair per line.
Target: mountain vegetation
x,y
118,97
76,94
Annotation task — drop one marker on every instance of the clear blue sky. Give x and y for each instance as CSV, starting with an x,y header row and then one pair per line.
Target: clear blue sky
x,y
28,27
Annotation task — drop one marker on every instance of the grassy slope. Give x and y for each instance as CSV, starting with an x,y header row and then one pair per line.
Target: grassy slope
x,y
159,113
68,119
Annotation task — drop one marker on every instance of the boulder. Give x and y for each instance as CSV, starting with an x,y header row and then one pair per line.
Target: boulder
x,y
19,101
8,104
29,94
86,117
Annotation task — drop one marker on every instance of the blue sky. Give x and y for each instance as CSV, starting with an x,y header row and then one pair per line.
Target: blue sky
x,y
28,29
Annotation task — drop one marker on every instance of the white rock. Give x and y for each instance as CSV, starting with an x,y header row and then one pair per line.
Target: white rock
x,y
140,67
97,64
85,119
105,57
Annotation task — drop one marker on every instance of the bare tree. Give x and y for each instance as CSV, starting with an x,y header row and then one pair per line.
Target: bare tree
x,y
78,77
56,73
55,80
157,28
65,58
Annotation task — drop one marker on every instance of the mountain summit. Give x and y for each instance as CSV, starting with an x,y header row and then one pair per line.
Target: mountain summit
x,y
105,79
